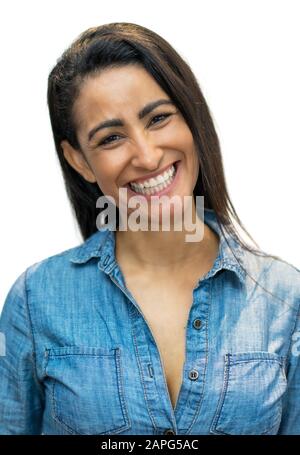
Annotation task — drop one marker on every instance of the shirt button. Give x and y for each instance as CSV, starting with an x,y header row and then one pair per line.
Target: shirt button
x,y
197,323
169,431
193,375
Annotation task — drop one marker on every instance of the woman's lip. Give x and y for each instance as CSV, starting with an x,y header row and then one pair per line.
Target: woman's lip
x,y
164,190
154,174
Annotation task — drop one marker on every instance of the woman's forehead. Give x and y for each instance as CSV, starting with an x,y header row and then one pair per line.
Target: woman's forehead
x,y
115,92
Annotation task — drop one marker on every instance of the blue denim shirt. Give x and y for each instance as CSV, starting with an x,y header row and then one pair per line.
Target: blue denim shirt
x,y
81,358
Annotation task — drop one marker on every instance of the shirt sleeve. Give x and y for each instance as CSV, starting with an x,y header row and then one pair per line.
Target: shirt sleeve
x,y
21,394
290,422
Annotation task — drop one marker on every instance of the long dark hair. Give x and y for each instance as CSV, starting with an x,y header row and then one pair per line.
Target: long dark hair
x,y
118,44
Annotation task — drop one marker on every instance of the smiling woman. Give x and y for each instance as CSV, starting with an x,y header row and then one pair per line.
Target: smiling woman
x,y
140,331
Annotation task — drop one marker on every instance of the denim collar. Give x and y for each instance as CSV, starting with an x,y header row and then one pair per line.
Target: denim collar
x,y
101,245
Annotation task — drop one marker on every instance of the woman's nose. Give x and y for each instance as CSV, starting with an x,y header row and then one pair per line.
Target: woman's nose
x,y
146,154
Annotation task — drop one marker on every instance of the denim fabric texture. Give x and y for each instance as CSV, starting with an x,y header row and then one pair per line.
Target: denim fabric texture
x,y
81,358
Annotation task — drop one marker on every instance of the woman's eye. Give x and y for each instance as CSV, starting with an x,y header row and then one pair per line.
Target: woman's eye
x,y
107,141
161,117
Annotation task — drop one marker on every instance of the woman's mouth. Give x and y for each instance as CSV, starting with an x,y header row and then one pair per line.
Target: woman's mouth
x,y
158,185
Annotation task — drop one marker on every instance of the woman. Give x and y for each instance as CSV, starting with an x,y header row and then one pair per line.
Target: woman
x,y
141,331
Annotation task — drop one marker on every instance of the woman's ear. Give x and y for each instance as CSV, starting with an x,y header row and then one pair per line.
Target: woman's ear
x,y
78,162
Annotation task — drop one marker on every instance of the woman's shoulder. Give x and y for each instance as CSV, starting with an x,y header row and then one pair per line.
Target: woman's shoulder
x,y
274,273
57,266
265,262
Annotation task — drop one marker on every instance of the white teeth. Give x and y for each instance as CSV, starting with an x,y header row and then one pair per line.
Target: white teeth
x,y
160,182
152,182
155,183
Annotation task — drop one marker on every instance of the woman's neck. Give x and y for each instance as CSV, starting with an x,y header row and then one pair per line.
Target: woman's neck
x,y
165,250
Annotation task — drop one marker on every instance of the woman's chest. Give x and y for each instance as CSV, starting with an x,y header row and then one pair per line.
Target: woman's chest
x,y
240,379
166,311
101,382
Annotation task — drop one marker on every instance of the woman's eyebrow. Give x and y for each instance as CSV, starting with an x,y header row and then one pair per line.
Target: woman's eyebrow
x,y
118,122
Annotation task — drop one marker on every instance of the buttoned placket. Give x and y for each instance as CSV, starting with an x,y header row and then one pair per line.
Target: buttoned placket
x,y
164,418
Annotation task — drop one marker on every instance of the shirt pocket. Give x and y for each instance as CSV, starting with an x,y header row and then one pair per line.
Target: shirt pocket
x,y
250,401
85,385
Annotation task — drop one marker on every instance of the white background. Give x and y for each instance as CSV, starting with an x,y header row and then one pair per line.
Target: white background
x,y
245,55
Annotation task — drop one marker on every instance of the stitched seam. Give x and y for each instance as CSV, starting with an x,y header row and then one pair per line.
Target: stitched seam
x,y
83,355
224,389
273,426
142,377
254,359
31,335
55,415
127,423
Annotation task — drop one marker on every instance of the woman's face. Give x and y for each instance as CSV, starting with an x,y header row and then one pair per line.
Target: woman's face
x,y
126,141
